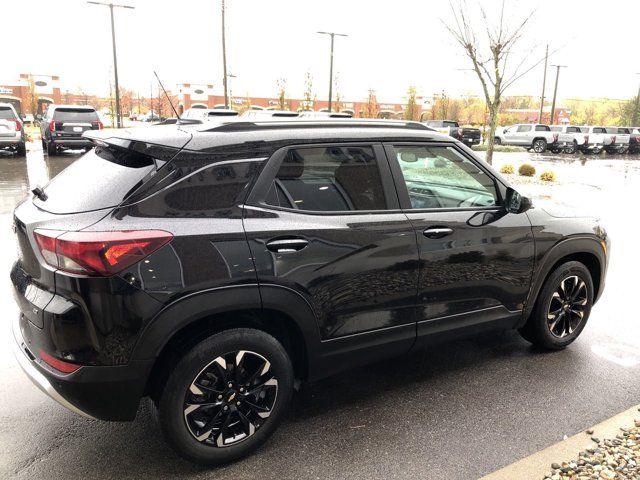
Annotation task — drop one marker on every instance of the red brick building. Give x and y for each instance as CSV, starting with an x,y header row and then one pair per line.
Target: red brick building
x,y
45,89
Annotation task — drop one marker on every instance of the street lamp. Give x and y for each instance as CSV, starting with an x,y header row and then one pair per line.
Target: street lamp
x,y
555,92
332,35
115,58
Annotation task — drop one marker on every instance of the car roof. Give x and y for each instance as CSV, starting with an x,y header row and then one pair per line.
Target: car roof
x,y
270,134
83,107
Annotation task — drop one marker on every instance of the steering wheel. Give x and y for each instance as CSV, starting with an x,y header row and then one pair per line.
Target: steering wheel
x,y
470,202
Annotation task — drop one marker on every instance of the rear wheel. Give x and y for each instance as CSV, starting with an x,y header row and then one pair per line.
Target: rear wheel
x,y
571,148
21,150
539,145
51,149
562,308
226,396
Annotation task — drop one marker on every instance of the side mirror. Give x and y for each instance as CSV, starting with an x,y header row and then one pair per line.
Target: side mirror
x,y
517,203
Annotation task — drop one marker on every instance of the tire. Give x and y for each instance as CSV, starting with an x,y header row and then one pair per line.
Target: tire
x,y
539,145
555,333
571,149
497,141
200,367
51,149
21,150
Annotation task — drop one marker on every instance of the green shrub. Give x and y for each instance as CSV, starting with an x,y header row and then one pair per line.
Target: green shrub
x,y
548,176
507,168
527,170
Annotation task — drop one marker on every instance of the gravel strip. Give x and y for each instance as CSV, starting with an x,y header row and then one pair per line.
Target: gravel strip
x,y
612,458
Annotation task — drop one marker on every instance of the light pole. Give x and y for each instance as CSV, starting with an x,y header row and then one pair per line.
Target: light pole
x,y
635,108
544,83
555,92
332,35
115,58
224,62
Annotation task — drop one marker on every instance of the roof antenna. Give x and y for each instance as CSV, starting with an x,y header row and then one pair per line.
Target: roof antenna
x,y
166,95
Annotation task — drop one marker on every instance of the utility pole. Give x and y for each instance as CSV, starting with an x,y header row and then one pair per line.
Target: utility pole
x,y
224,62
115,58
544,83
555,92
635,109
332,35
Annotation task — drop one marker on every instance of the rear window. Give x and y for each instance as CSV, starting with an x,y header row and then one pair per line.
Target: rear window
x,y
450,124
6,113
75,115
101,178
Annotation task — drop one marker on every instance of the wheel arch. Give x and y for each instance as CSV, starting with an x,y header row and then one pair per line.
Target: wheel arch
x,y
286,316
586,250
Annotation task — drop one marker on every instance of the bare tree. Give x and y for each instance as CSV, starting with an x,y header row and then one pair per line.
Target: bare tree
x,y
411,108
491,57
282,94
307,102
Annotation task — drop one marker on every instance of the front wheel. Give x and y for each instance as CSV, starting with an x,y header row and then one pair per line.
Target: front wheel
x,y
497,141
539,145
562,308
571,148
226,396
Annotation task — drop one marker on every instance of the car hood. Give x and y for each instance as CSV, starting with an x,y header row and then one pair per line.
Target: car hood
x,y
562,211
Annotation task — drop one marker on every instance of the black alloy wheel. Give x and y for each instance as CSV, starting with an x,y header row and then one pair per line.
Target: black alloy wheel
x,y
225,396
230,398
567,306
562,308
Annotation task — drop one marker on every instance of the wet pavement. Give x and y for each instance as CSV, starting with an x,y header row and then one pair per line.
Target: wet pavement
x,y
457,411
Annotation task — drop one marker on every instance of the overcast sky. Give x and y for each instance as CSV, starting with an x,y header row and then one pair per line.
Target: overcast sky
x,y
391,45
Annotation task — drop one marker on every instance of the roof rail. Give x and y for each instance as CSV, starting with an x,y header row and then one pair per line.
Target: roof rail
x,y
238,126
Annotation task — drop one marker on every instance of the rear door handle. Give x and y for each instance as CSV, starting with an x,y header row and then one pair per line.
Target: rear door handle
x,y
437,232
287,245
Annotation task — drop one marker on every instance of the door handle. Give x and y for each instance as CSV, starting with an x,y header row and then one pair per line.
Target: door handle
x,y
287,245
437,232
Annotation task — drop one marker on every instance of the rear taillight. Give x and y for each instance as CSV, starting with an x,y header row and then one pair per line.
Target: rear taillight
x,y
18,125
97,125
586,139
57,364
98,253
52,126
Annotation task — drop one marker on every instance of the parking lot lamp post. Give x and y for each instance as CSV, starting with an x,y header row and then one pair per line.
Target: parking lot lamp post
x,y
635,108
115,58
555,92
332,35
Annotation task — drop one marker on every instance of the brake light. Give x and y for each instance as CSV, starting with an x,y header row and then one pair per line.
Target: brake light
x,y
98,253
586,139
18,125
52,126
56,363
97,125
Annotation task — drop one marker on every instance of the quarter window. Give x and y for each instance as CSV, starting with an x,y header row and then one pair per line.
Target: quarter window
x,y
329,179
441,177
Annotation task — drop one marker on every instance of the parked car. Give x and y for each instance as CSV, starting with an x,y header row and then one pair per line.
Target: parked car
x,y
264,114
620,138
532,136
468,136
597,139
150,116
62,127
207,114
212,267
11,130
634,141
574,138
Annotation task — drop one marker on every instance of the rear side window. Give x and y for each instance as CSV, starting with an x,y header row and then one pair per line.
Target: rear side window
x,y
450,124
599,130
6,113
75,115
329,179
558,129
101,178
573,130
542,128
524,128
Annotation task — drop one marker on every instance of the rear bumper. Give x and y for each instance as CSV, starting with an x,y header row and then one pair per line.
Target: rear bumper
x,y
470,141
104,393
11,141
72,142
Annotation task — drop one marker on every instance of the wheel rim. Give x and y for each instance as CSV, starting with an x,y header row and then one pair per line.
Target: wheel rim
x,y
537,146
567,307
230,398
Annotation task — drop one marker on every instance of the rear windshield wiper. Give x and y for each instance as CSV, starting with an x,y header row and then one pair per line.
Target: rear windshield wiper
x,y
39,192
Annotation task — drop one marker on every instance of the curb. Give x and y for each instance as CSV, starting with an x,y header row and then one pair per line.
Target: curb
x,y
537,465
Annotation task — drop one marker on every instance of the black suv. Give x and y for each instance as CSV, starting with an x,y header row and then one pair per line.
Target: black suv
x,y
212,267
62,127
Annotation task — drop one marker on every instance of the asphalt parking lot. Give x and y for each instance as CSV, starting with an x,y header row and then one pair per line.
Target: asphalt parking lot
x,y
457,411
